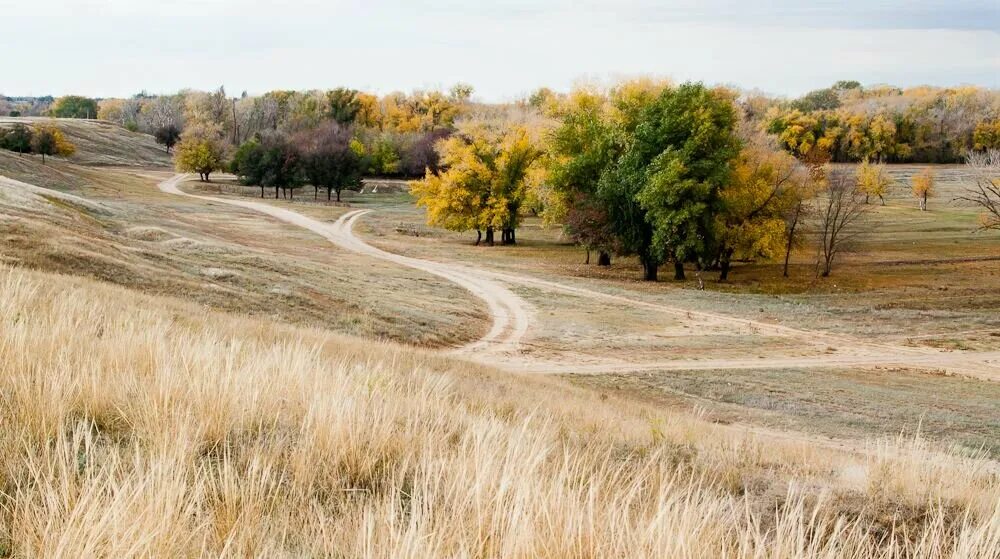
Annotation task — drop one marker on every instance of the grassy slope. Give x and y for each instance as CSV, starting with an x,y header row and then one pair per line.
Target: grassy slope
x,y
229,260
102,143
137,426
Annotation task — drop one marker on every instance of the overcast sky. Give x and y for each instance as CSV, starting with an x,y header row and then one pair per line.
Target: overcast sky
x,y
503,48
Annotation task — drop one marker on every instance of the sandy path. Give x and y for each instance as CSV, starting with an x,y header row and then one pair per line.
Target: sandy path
x,y
509,312
511,316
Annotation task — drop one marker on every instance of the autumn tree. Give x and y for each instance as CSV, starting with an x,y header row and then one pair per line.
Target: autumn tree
x,y
986,136
201,151
984,191
49,140
331,158
841,213
873,180
923,186
765,186
167,136
483,182
74,106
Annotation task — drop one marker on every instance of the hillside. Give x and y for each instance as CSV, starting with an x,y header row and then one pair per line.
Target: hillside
x,y
137,426
102,143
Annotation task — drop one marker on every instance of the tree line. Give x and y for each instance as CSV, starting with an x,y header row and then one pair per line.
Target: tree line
x,y
675,175
916,125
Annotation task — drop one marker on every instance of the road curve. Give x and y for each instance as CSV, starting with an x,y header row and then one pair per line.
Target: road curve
x,y
510,314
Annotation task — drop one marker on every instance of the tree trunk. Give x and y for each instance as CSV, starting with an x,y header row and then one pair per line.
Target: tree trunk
x,y
291,193
479,236
276,193
679,270
262,191
724,264
603,258
587,261
315,193
338,195
489,236
649,270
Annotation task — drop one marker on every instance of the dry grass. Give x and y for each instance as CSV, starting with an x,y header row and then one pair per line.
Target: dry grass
x,y
136,426
101,143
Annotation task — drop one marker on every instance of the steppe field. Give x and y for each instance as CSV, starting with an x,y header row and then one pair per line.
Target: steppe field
x,y
193,370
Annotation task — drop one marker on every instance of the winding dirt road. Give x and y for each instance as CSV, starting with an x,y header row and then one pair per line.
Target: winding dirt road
x,y
512,316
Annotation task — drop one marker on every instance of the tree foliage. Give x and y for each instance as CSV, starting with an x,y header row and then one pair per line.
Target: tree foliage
x,y
484,180
923,186
201,151
49,140
74,106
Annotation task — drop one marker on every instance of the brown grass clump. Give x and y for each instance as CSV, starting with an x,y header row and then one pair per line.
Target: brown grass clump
x,y
136,426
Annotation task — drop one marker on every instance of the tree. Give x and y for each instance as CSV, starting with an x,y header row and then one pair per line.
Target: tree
x,y
269,161
200,150
677,162
815,162
581,149
483,182
984,166
49,140
74,106
751,223
343,105
923,186
331,158
17,138
167,135
873,180
840,216
986,136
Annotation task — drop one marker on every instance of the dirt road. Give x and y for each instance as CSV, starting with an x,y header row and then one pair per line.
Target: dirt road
x,y
512,316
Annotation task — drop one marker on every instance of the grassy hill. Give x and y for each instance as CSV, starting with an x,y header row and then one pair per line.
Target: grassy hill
x,y
141,426
102,143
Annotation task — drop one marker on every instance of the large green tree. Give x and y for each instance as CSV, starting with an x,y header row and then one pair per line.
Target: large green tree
x,y
74,106
665,185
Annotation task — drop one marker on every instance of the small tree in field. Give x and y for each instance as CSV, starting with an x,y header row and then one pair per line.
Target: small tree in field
x,y
49,140
985,190
923,187
840,215
199,152
873,180
167,136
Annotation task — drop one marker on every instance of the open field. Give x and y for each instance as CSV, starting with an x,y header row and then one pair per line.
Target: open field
x,y
753,421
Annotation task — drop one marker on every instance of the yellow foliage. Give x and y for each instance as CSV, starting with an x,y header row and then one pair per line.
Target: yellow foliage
x,y
765,185
923,186
485,179
873,180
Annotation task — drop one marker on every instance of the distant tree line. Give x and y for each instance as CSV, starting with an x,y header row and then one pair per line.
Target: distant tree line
x,y
886,124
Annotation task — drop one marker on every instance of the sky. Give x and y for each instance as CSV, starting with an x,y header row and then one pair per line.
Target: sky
x,y
505,49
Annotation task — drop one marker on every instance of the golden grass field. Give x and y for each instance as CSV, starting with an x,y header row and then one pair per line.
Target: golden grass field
x,y
185,378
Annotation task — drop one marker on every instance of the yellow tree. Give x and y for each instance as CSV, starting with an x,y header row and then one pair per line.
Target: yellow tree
x,y
873,180
923,187
485,177
49,140
766,185
200,151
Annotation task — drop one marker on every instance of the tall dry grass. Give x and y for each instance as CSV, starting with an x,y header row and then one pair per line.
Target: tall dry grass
x,y
135,426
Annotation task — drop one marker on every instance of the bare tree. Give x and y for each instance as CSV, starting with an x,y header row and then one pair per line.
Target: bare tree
x,y
984,192
840,217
